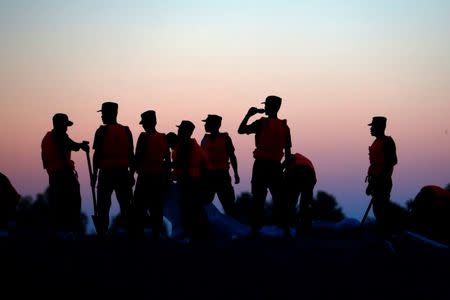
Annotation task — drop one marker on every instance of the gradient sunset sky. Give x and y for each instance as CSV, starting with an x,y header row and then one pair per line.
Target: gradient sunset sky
x,y
335,64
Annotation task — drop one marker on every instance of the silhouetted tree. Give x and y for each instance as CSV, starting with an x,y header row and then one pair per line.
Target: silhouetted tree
x,y
325,207
35,214
244,207
409,204
447,187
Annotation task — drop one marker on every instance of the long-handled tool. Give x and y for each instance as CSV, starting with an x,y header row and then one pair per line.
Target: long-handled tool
x,y
366,213
95,217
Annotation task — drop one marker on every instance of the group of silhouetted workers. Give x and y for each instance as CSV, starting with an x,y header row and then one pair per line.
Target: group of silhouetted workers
x,y
200,171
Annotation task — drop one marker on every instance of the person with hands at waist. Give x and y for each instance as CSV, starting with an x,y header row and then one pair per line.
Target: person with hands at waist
x,y
220,152
383,158
113,161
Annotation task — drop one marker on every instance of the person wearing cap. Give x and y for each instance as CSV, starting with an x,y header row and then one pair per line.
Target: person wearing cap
x,y
113,163
220,151
299,178
383,158
273,140
152,161
189,166
65,198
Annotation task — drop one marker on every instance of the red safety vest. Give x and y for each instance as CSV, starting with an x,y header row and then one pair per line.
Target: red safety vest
x,y
300,160
52,157
377,158
441,196
197,159
115,148
216,150
271,140
156,148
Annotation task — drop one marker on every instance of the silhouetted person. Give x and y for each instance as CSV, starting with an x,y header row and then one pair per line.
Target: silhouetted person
x,y
189,164
383,158
9,198
220,152
114,157
172,140
300,179
272,138
64,196
430,212
152,165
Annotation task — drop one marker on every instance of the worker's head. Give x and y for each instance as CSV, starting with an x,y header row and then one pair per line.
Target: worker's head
x,y
61,122
172,140
109,112
148,120
272,105
378,126
212,123
185,129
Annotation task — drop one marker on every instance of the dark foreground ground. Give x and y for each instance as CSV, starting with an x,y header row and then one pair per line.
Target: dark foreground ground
x,y
311,267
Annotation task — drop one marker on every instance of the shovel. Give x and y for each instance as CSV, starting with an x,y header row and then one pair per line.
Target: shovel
x,y
95,217
366,213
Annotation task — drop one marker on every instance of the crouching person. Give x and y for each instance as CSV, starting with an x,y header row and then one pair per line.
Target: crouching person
x,y
299,180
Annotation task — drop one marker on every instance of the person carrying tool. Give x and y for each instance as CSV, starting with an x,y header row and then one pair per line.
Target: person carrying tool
x,y
152,161
383,158
220,151
65,198
189,165
113,162
299,178
272,139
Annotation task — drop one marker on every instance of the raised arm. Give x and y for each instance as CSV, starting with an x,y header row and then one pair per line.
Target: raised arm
x,y
244,128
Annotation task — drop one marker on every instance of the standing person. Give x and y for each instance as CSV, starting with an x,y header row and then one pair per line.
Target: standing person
x,y
189,163
383,158
272,138
152,165
219,149
65,198
300,178
114,165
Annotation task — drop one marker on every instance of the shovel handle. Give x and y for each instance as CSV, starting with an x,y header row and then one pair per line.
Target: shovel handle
x,y
94,198
367,212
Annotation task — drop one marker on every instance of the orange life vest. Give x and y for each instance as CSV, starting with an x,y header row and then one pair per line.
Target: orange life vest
x,y
300,160
154,154
197,159
115,148
271,140
377,158
52,157
216,150
441,196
